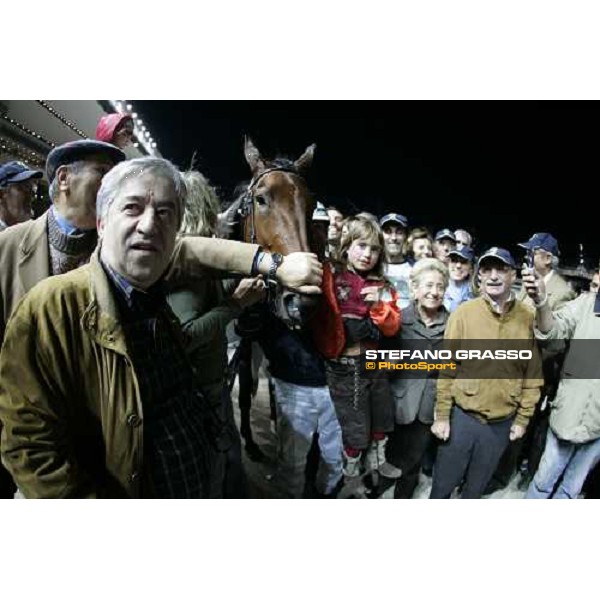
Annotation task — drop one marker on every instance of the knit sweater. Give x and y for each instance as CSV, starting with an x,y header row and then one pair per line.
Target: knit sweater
x,y
69,251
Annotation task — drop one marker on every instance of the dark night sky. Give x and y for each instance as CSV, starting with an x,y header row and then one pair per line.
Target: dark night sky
x,y
500,169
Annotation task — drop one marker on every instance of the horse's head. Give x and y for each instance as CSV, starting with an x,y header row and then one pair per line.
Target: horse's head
x,y
280,202
277,214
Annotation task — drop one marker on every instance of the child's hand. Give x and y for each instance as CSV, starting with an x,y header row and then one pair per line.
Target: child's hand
x,y
371,293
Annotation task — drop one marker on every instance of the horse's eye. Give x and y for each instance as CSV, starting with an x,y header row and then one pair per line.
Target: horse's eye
x,y
260,200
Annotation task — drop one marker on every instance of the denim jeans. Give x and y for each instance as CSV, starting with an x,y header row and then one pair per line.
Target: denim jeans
x,y
303,411
564,463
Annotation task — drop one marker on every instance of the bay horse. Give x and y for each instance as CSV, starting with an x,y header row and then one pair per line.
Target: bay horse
x,y
275,211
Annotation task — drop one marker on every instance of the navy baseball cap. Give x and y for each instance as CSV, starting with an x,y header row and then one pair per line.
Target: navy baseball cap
x,y
394,218
500,254
445,234
466,253
71,152
15,171
544,241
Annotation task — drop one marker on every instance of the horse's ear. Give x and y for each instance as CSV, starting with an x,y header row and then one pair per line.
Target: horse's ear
x,y
306,159
253,157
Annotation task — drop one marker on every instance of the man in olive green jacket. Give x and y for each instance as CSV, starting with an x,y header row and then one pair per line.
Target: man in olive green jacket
x,y
75,390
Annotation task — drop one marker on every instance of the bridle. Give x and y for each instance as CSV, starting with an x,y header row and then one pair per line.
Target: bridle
x,y
247,206
247,209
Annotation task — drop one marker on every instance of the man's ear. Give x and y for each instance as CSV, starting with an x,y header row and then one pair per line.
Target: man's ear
x,y
62,177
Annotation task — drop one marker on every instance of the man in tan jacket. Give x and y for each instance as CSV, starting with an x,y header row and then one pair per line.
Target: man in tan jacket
x,y
476,418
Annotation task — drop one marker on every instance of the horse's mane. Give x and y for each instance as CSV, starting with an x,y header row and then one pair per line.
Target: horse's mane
x,y
283,163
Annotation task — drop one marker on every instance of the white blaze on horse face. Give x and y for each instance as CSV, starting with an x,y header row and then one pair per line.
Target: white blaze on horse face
x,y
363,255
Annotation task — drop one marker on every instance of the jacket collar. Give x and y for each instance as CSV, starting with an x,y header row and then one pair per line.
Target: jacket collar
x,y
101,317
34,254
493,307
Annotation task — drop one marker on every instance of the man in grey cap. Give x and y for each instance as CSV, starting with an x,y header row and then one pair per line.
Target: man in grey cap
x,y
476,417
17,190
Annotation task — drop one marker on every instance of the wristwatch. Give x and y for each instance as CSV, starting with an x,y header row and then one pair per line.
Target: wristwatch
x,y
276,260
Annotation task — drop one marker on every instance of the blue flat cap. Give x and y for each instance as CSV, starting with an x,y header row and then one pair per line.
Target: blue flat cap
x,y
500,254
16,171
545,241
71,152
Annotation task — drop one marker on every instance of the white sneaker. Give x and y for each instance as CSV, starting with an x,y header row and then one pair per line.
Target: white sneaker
x,y
351,467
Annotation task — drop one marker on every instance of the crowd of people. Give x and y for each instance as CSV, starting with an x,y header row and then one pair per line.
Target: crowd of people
x,y
114,310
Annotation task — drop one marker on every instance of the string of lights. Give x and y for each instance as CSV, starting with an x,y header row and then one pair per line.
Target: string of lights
x,y
26,130
141,131
70,124
22,152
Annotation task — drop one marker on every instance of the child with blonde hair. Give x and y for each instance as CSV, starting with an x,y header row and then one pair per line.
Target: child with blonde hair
x,y
367,304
